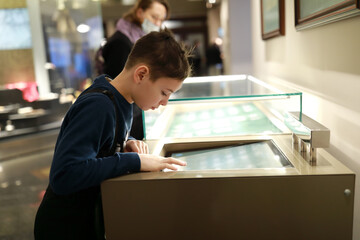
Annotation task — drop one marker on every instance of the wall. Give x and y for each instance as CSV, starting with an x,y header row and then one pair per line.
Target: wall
x,y
235,17
213,23
323,63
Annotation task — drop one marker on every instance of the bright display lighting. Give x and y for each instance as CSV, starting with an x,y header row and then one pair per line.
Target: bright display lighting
x,y
83,28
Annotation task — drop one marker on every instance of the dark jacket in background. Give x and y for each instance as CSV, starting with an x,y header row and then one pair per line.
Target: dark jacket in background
x,y
115,53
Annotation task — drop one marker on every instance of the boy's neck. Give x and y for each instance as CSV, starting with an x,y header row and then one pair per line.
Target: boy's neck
x,y
123,86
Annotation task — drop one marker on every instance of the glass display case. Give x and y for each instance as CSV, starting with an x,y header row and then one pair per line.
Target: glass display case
x,y
233,186
223,106
255,164
262,154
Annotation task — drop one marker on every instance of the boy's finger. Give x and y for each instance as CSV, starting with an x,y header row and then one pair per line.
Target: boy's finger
x,y
135,148
176,161
170,166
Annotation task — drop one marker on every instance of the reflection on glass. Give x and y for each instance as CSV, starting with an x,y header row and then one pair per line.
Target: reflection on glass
x,y
70,48
236,119
234,86
223,106
253,155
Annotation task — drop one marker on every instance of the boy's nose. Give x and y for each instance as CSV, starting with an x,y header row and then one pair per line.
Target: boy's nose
x,y
164,102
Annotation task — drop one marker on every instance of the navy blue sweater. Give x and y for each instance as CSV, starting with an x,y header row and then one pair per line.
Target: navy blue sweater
x,y
89,126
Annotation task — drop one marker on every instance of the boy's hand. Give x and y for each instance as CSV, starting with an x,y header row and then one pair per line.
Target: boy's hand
x,y
153,163
136,146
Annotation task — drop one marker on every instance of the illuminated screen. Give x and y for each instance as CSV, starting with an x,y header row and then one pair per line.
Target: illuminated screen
x,y
262,154
60,52
237,119
14,29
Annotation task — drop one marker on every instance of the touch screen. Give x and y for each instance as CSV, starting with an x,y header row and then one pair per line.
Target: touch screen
x,y
262,154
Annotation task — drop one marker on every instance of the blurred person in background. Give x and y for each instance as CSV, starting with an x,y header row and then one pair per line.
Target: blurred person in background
x,y
214,58
144,17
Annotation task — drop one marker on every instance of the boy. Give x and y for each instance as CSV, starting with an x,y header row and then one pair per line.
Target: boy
x,y
84,153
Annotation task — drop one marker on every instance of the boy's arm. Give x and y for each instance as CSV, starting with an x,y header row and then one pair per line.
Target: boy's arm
x,y
153,163
88,126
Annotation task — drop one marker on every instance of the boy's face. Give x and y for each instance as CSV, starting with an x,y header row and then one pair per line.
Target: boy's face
x,y
151,95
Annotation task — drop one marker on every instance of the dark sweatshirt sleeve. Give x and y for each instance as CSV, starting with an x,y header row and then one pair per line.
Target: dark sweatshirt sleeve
x,y
88,126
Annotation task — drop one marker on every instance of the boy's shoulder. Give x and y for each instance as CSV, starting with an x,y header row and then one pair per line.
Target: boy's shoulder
x,y
94,98
99,92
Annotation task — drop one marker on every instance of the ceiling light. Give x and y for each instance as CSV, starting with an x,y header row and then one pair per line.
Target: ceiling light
x,y
83,28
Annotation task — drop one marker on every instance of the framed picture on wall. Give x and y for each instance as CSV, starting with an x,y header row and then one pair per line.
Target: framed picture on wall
x,y
272,18
313,13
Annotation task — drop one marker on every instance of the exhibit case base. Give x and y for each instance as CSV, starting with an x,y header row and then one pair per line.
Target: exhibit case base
x,y
294,200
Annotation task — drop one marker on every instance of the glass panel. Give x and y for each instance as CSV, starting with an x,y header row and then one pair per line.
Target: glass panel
x,y
296,126
227,86
73,32
223,106
235,119
253,155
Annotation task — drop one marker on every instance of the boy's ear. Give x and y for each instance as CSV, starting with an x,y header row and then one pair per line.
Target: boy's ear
x,y
141,72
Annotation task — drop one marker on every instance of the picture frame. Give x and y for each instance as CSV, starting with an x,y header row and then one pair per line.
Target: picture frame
x,y
314,13
272,18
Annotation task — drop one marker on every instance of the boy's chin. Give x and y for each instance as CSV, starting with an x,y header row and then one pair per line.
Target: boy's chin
x,y
146,108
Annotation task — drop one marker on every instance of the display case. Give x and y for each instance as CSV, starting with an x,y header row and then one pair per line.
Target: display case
x,y
223,106
256,169
233,187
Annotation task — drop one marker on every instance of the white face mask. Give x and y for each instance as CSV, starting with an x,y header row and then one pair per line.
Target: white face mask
x,y
147,26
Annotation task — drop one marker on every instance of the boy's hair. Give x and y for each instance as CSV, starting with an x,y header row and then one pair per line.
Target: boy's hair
x,y
144,5
164,56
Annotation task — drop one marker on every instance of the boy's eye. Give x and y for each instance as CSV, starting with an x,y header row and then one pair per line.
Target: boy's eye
x,y
163,93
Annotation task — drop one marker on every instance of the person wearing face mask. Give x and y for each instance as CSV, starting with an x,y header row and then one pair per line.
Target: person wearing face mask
x,y
144,17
